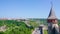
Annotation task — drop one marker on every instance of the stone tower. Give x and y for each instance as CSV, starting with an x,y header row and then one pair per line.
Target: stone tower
x,y
52,22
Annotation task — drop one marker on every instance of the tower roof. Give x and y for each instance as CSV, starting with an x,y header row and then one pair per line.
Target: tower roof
x,y
52,14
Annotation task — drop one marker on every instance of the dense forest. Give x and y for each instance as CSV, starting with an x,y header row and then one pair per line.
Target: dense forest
x,y
15,27
19,27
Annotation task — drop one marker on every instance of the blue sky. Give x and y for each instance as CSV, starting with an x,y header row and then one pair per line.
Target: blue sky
x,y
28,8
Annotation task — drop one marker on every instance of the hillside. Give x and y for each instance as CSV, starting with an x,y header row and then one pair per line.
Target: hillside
x,y
15,27
20,27
43,21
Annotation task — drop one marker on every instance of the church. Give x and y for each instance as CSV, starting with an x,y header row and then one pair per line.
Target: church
x,y
52,20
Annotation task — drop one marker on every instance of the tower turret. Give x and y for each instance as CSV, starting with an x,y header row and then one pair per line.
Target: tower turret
x,y
52,22
52,17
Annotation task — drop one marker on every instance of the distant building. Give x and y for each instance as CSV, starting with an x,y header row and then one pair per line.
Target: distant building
x,y
3,28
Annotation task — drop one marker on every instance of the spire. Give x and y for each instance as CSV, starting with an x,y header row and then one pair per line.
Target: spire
x,y
52,13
